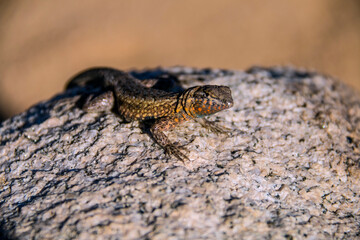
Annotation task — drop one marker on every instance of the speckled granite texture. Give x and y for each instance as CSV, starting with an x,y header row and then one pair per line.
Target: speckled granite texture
x,y
288,170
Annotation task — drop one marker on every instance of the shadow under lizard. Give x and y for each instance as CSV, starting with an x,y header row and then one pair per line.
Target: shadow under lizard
x,y
133,100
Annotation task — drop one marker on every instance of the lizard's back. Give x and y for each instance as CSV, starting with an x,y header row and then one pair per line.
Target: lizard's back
x,y
134,101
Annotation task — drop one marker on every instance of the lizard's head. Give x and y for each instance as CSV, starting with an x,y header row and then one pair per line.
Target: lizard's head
x,y
205,100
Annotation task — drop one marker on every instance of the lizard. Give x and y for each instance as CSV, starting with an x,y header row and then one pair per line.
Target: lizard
x,y
135,100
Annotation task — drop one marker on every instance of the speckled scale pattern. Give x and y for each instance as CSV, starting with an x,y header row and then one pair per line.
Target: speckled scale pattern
x,y
133,100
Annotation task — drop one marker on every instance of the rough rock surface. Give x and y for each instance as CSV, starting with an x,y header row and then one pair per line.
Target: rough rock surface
x,y
289,169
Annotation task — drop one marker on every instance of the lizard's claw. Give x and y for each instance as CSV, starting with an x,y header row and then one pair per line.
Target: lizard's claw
x,y
174,151
213,127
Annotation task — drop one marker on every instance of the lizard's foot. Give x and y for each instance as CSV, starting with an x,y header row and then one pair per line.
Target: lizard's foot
x,y
100,103
149,83
213,127
174,151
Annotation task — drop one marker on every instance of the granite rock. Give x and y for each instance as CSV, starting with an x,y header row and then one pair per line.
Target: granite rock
x,y
289,169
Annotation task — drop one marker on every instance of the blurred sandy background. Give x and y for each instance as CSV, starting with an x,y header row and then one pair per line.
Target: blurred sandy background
x,y
44,43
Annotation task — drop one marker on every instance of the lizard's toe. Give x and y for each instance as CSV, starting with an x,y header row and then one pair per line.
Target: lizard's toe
x,y
174,151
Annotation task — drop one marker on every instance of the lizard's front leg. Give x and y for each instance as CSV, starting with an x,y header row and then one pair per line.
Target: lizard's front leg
x,y
157,129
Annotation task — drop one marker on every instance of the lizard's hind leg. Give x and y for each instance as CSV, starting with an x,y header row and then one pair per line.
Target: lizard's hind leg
x,y
101,103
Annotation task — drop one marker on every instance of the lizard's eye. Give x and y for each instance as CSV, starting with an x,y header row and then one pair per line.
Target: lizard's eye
x,y
201,94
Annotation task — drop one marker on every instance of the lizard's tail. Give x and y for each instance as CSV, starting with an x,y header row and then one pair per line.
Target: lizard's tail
x,y
97,77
